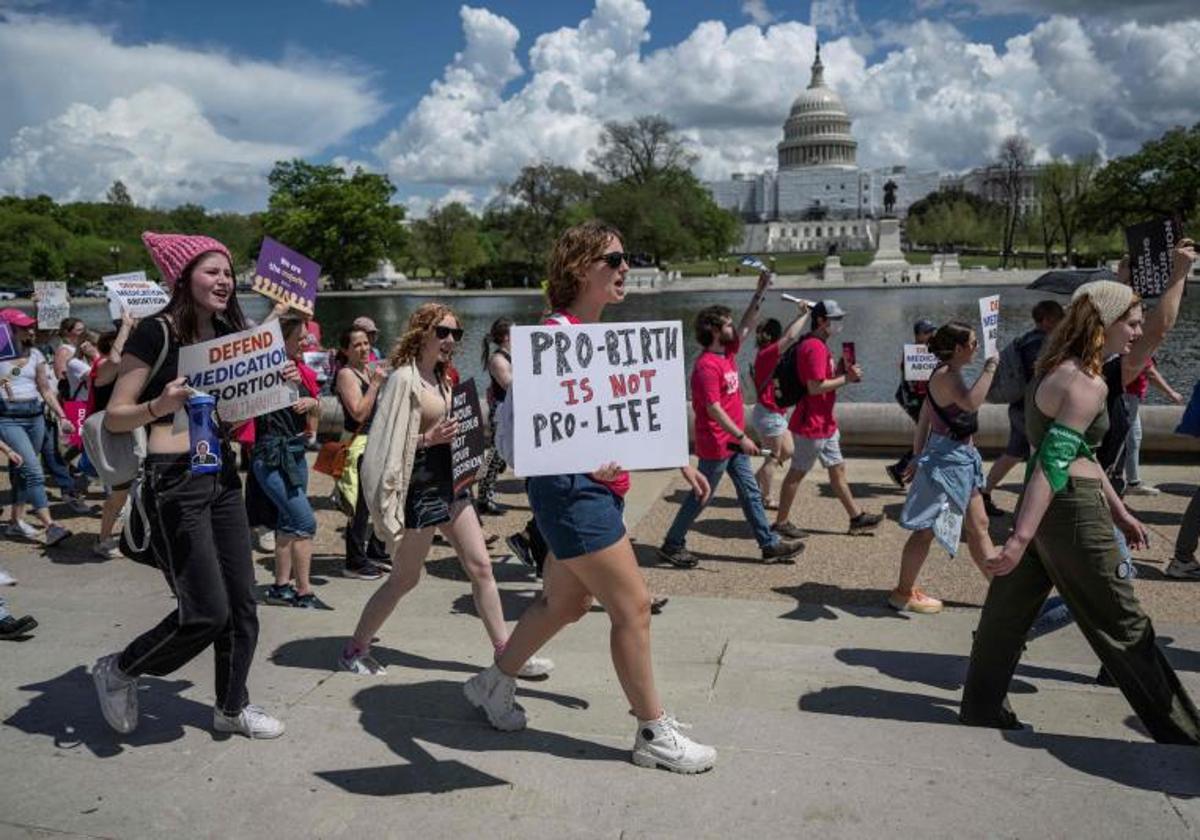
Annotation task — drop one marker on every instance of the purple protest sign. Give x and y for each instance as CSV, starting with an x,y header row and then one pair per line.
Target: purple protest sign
x,y
286,276
8,344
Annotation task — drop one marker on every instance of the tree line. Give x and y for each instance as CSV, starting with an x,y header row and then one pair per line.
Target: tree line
x,y
346,221
1080,206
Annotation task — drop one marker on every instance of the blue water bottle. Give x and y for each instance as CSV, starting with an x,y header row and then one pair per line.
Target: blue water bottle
x,y
205,441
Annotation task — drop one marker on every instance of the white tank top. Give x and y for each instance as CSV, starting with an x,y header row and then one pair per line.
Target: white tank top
x,y
18,377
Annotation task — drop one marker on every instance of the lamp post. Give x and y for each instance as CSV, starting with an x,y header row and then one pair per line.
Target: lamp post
x,y
114,251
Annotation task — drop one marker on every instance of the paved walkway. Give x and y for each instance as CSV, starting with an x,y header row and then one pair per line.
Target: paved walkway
x,y
832,718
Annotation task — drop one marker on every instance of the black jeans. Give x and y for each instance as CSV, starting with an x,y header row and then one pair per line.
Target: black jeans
x,y
362,545
201,540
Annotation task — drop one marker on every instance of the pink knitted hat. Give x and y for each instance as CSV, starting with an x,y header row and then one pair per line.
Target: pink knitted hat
x,y
172,252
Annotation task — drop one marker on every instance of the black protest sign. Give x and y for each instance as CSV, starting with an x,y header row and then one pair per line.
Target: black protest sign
x,y
466,450
1150,247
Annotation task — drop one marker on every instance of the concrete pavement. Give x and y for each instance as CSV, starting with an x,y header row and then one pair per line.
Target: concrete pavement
x,y
831,720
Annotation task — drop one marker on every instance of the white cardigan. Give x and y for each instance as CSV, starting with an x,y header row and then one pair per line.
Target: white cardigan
x,y
391,446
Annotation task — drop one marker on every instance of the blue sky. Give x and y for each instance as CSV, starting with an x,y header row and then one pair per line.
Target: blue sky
x,y
192,101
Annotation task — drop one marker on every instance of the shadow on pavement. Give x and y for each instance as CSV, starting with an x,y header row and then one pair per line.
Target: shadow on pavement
x,y
67,712
945,670
1145,766
402,715
815,599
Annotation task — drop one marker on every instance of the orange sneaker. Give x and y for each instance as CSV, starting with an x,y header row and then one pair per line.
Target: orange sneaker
x,y
917,602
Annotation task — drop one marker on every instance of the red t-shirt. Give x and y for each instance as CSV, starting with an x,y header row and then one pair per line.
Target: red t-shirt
x,y
715,380
1140,386
619,485
764,366
813,416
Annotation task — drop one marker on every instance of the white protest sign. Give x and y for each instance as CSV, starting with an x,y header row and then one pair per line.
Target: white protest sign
x,y
989,318
244,371
52,305
918,363
591,394
134,292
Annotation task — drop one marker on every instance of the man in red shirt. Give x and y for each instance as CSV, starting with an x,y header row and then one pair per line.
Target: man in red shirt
x,y
722,444
814,429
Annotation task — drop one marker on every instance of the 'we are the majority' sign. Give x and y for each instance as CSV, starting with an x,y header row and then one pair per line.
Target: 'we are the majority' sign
x,y
590,394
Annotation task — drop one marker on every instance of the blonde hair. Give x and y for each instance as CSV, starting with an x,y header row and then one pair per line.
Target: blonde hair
x,y
1079,335
426,317
576,249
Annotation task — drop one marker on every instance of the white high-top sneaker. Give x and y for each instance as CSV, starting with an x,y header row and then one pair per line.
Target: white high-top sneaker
x,y
493,692
536,667
659,743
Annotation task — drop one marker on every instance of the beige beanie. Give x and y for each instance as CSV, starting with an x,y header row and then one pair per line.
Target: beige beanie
x,y
1110,298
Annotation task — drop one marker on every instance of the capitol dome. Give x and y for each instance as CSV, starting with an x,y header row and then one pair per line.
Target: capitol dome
x,y
817,131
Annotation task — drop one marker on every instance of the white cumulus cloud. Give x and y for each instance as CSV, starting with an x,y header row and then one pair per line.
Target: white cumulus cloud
x,y
758,12
62,77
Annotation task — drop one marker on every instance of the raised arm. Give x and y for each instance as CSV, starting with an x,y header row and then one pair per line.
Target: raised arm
x,y
971,399
750,316
1161,321
795,329
359,405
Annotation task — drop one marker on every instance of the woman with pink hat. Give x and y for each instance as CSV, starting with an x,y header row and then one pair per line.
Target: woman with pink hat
x,y
25,395
199,534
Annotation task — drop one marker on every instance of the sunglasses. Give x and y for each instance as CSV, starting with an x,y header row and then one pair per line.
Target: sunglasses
x,y
445,332
614,259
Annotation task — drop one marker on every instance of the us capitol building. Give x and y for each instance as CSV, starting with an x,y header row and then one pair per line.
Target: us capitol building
x,y
819,196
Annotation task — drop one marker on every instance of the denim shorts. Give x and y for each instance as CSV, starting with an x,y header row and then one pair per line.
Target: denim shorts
x,y
768,424
294,511
576,514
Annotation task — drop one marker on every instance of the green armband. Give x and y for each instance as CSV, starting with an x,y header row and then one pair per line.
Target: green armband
x,y
1060,447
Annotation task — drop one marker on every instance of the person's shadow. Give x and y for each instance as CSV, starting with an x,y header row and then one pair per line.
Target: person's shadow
x,y
435,711
65,710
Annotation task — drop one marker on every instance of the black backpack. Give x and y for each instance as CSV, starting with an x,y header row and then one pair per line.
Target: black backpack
x,y
786,385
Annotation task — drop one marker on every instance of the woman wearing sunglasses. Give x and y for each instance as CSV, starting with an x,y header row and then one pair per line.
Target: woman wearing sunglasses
x,y
590,557
946,493
408,483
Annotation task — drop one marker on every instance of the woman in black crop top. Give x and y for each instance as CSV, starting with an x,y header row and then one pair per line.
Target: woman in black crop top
x,y
1064,535
498,364
357,386
199,535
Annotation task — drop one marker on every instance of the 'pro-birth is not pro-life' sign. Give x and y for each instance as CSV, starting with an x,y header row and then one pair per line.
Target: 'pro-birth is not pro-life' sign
x,y
587,395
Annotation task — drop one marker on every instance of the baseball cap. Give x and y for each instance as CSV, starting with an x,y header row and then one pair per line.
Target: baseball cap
x,y
16,318
924,326
828,309
365,324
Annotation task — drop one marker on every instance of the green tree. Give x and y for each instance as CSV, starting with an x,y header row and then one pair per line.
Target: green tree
x,y
543,196
1161,179
44,263
640,150
118,194
450,237
1063,192
345,223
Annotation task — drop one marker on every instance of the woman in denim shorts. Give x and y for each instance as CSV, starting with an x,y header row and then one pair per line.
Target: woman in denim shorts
x,y
590,553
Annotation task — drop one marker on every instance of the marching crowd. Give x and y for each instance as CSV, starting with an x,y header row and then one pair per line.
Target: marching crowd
x,y
1080,376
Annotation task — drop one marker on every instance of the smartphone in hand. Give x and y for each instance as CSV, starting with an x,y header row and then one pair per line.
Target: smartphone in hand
x,y
848,355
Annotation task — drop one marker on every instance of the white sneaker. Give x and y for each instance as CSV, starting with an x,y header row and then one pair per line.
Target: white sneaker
x,y
117,694
56,534
364,665
109,549
1183,569
6,578
659,743
252,721
536,666
22,530
1142,489
264,540
493,692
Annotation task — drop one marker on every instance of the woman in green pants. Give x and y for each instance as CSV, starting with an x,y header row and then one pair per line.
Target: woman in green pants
x,y
1064,533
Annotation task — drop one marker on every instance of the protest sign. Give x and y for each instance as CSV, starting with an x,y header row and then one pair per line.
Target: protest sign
x,y
918,363
1150,246
134,292
989,318
592,394
284,275
52,305
8,344
466,450
243,371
